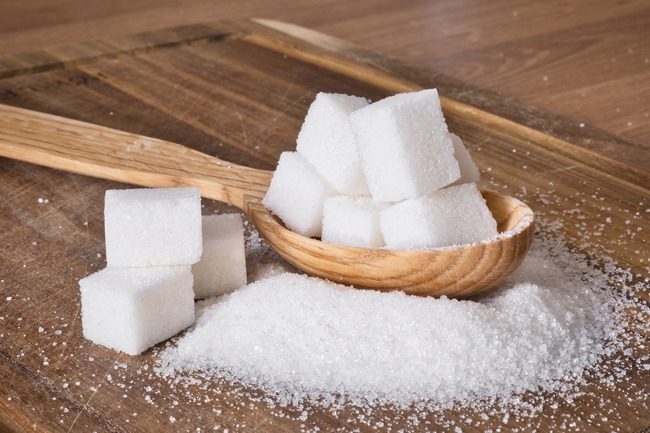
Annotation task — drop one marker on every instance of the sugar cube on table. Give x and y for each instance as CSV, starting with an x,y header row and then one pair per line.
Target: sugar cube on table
x,y
327,142
152,227
297,194
404,146
468,171
455,215
222,267
131,309
352,221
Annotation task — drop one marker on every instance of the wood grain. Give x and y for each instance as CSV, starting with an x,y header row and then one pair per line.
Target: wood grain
x,y
585,59
243,101
106,153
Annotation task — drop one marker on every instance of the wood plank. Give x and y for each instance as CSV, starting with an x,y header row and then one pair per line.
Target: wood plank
x,y
539,69
464,39
62,57
242,98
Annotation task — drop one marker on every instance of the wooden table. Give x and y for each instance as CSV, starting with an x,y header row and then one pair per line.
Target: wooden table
x,y
586,59
238,90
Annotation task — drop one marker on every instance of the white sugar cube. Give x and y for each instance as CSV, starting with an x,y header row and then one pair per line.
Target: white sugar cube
x,y
455,215
468,171
327,142
297,194
352,221
132,309
153,227
404,146
222,267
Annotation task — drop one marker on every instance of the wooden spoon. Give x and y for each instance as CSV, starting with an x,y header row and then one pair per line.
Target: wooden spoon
x,y
106,153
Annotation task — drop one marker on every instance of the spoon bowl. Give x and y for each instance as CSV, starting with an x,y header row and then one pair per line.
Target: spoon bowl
x,y
455,272
97,151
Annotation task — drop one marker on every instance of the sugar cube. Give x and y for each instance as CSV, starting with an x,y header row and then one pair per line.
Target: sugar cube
x,y
352,221
327,142
404,146
297,194
131,309
451,216
468,171
222,267
152,227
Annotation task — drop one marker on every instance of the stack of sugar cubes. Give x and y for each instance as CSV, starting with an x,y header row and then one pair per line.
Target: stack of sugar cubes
x,y
387,174
161,255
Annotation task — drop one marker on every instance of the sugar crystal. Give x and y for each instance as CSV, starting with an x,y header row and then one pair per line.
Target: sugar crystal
x,y
297,194
327,142
222,267
299,336
404,146
455,215
131,309
153,227
300,343
352,221
468,171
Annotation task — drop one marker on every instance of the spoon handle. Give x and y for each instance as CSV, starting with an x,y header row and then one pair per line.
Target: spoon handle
x,y
97,151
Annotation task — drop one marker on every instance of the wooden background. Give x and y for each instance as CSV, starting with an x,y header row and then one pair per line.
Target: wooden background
x,y
586,60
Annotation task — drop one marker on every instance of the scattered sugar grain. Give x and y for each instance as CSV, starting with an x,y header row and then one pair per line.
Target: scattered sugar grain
x,y
261,260
300,338
561,267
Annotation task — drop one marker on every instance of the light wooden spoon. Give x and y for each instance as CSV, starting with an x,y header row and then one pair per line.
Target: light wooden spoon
x,y
106,153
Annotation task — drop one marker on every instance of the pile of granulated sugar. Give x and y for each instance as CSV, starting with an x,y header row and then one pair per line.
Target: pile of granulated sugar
x,y
303,340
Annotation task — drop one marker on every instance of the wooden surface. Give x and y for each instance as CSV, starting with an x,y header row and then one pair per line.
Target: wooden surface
x,y
239,91
587,59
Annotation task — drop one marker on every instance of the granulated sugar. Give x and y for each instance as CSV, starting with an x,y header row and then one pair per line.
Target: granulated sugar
x,y
303,340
